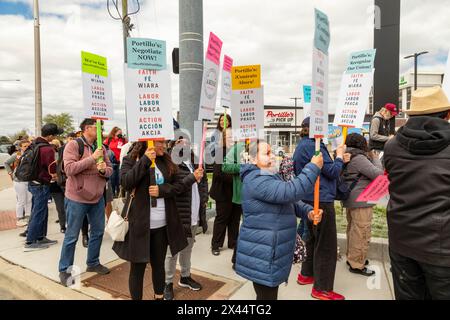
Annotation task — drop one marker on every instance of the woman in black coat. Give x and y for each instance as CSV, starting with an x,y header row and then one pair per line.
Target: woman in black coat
x,y
192,210
222,192
151,230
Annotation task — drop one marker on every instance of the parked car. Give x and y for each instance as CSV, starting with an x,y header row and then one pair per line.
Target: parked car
x,y
4,155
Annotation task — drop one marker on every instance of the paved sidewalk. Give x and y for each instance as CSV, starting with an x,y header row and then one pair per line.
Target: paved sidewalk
x,y
45,264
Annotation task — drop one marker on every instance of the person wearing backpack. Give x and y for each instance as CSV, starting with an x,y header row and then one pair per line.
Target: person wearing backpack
x,y
34,168
23,196
380,127
362,169
320,265
86,180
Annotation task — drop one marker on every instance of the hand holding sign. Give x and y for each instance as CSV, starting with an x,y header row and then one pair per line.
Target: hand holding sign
x,y
199,174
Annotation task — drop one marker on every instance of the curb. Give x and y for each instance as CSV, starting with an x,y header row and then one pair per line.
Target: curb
x,y
378,248
27,285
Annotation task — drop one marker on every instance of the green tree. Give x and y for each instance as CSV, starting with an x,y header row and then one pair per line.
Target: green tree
x,y
22,133
4,140
63,120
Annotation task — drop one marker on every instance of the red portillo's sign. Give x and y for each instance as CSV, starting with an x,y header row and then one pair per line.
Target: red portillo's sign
x,y
279,118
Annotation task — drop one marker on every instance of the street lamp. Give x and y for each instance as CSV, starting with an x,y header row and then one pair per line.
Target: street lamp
x,y
415,56
296,133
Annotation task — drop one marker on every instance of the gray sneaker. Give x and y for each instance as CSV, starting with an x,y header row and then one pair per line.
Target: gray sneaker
x,y
35,246
47,241
100,269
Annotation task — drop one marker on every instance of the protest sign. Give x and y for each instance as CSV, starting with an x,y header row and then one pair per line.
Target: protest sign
x,y
319,90
353,99
149,104
446,83
322,32
319,96
247,113
356,86
97,96
306,101
210,80
226,81
94,64
246,77
361,61
145,53
376,190
319,93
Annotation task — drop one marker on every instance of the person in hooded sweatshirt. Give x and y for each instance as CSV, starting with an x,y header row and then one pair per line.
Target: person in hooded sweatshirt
x,y
363,168
270,205
418,164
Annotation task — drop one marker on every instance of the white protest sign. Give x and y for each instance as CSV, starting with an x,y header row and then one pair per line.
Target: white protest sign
x,y
247,113
210,80
353,99
319,96
97,96
149,104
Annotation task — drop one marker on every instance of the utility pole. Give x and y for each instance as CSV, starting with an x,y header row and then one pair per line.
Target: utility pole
x,y
387,62
37,72
296,131
191,61
415,56
125,27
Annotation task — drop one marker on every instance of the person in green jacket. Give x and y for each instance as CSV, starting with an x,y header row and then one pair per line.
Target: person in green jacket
x,y
232,165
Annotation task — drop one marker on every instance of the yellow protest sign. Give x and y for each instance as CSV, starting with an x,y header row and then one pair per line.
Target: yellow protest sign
x,y
94,64
246,77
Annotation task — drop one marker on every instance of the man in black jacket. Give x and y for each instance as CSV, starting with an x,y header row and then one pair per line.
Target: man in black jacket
x,y
191,207
418,164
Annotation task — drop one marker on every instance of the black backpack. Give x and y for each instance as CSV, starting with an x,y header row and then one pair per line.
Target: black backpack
x,y
60,173
343,189
28,167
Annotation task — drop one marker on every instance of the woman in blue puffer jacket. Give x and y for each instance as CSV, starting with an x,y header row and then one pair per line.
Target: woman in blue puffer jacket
x,y
270,205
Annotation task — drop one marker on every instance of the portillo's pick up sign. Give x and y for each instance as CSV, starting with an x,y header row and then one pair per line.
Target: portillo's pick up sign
x,y
279,118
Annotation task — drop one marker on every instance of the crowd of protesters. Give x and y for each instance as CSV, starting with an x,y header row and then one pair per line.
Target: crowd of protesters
x,y
275,203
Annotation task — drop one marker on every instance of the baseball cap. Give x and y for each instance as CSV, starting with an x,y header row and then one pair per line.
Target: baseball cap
x,y
306,122
392,108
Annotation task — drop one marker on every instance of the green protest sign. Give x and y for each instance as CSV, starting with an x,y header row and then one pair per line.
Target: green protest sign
x,y
94,64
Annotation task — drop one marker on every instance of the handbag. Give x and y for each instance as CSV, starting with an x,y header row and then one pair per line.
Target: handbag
x,y
299,251
117,226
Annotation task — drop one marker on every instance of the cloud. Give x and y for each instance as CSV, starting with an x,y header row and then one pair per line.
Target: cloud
x,y
276,34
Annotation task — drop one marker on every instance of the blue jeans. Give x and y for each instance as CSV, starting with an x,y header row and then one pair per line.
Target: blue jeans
x,y
76,212
37,228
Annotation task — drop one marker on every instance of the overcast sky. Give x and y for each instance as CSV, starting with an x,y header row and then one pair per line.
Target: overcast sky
x,y
276,34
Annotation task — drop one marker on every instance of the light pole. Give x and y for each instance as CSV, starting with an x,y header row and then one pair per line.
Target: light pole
x,y
415,56
191,61
37,72
296,132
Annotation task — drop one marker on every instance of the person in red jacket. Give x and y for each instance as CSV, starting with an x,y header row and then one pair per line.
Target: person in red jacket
x,y
115,142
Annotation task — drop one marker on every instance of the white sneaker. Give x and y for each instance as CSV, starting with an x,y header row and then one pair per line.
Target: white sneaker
x,y
21,223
